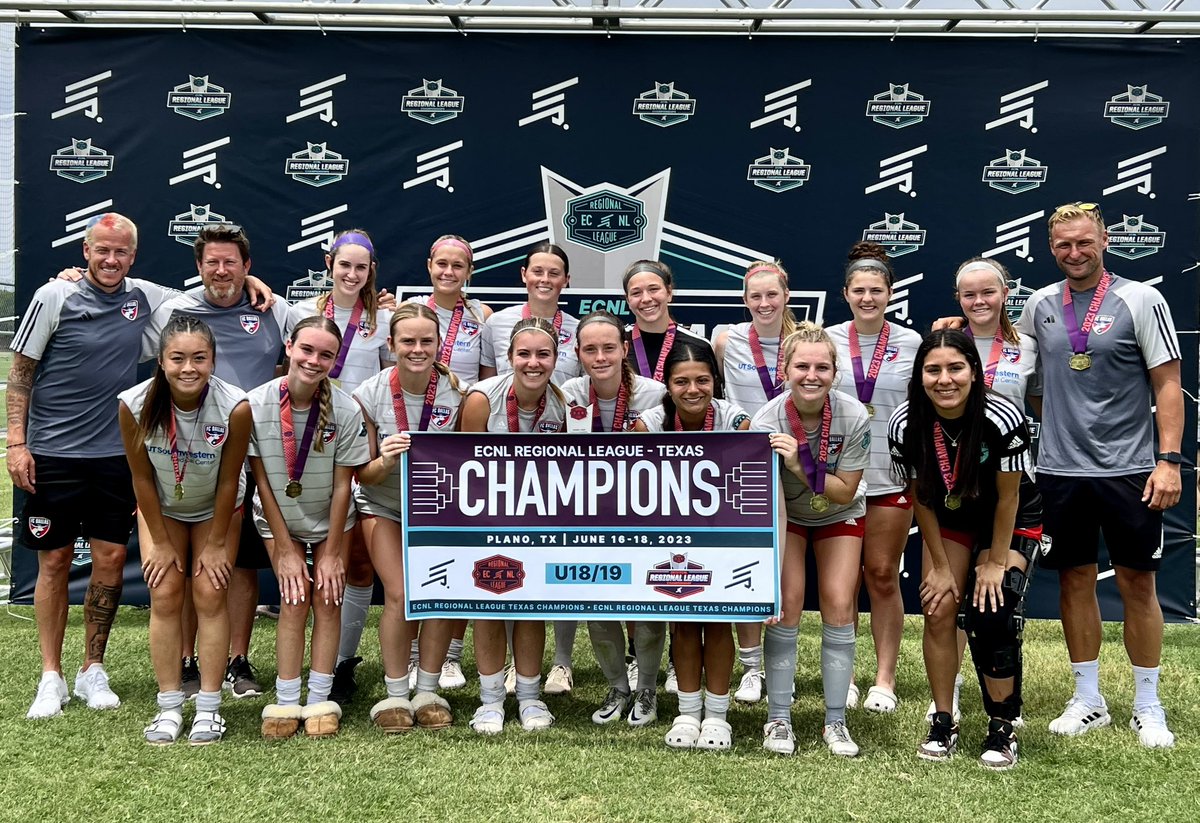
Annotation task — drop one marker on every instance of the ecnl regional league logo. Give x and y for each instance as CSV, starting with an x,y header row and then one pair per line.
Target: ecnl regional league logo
x,y
664,106
81,162
432,103
605,220
187,225
1136,108
1133,238
498,574
778,171
318,165
198,98
898,107
679,577
1014,173
897,235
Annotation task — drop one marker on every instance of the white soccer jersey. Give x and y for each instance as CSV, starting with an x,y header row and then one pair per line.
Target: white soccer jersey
x,y
375,397
726,417
468,342
891,388
200,439
498,330
368,349
345,444
1097,422
646,395
1016,372
849,450
742,382
495,389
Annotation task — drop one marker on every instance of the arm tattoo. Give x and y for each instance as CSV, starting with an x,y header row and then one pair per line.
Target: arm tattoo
x,y
20,386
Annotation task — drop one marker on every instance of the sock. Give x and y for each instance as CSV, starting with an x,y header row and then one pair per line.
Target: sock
x,y
779,656
837,668
716,705
396,686
608,646
355,603
208,701
648,642
287,692
1087,681
170,700
414,653
564,641
426,681
455,651
751,658
1145,688
690,704
491,688
529,688
319,684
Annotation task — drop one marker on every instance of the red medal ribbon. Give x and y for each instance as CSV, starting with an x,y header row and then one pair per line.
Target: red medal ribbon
x,y
451,331
814,470
401,410
618,424
864,385
710,418
347,336
514,418
295,459
181,470
949,475
771,387
643,361
989,372
558,318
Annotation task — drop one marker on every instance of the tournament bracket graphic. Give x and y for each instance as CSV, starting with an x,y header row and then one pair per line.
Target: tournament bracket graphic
x,y
595,526
603,227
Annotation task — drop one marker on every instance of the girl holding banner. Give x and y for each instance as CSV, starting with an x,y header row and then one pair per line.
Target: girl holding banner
x,y
185,433
308,442
981,522
609,397
523,400
875,360
419,393
353,306
705,650
751,358
823,438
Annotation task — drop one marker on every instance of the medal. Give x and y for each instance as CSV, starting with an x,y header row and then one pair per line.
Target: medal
x,y
864,384
870,409
179,467
814,470
293,458
953,502
294,489
949,474
178,491
1078,335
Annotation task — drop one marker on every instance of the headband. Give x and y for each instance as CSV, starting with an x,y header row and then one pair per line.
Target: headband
x,y
458,244
649,268
760,269
976,265
534,327
353,237
867,263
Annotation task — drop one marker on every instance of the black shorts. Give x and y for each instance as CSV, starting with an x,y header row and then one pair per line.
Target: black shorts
x,y
252,552
1079,509
89,497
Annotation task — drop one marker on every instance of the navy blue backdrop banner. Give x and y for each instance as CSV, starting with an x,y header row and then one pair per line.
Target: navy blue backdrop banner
x,y
704,152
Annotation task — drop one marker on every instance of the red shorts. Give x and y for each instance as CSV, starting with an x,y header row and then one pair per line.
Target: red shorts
x,y
968,540
852,527
894,500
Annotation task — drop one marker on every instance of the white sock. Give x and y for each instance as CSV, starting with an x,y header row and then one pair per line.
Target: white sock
x,y
426,681
716,705
1145,688
455,651
170,700
529,688
396,686
319,684
355,604
491,688
287,692
751,658
690,703
1087,682
208,701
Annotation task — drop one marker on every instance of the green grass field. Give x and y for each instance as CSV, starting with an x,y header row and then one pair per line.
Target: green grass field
x,y
95,764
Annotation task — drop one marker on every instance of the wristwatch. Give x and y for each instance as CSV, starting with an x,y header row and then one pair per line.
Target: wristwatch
x,y
1170,457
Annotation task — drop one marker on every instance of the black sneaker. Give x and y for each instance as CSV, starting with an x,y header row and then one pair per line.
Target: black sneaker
x,y
240,679
191,678
1000,746
344,687
942,739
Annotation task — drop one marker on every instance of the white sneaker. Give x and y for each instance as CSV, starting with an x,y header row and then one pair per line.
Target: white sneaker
x,y
1000,746
955,714
452,676
750,690
1151,726
837,738
559,680
1080,717
613,708
671,686
92,687
852,696
51,696
778,737
645,708
510,679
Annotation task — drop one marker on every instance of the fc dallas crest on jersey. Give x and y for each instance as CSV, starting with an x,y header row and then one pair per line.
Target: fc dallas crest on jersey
x,y
214,435
250,323
130,310
1103,323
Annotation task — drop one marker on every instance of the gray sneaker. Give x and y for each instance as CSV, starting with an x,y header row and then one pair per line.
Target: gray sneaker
x,y
645,708
240,679
190,678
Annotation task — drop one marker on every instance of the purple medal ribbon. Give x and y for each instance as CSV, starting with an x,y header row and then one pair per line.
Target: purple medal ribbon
x,y
292,459
348,336
1079,335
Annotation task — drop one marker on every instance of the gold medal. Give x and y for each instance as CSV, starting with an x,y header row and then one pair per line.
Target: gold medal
x,y
819,503
293,488
178,491
953,502
870,410
1080,362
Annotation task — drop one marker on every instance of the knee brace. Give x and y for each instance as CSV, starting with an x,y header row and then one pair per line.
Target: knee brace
x,y
995,637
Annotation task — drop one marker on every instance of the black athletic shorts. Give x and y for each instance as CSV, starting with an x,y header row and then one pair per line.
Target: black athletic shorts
x,y
89,497
1079,509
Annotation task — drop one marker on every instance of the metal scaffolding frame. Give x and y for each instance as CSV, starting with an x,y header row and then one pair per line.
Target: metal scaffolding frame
x,y
737,17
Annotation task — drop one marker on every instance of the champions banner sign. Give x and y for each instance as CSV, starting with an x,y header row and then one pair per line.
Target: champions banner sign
x,y
598,526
